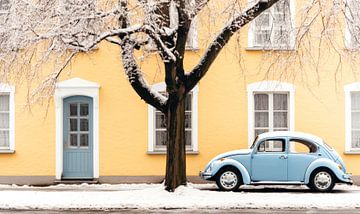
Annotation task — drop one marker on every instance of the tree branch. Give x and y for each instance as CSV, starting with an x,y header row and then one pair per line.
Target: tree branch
x,y
222,39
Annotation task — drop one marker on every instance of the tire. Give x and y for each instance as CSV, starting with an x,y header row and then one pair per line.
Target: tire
x,y
229,179
322,180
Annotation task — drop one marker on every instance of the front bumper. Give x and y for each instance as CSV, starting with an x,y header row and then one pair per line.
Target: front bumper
x,y
205,175
346,178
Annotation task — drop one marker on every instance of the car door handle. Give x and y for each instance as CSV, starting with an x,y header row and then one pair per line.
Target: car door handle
x,y
283,157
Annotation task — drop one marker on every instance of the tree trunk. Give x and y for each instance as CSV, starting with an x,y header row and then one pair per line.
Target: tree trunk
x,y
176,157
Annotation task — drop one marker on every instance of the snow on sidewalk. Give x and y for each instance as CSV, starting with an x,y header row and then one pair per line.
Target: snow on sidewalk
x,y
153,196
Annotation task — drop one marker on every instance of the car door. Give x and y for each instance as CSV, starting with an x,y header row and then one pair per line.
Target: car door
x,y
301,154
269,161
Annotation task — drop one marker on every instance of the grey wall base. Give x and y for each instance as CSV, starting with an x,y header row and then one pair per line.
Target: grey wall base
x,y
49,180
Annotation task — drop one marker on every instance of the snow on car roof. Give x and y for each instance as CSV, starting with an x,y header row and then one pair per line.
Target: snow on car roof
x,y
291,134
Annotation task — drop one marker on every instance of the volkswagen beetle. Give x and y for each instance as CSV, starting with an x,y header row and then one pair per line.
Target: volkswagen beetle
x,y
281,157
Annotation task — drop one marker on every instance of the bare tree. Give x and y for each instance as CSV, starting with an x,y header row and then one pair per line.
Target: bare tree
x,y
36,32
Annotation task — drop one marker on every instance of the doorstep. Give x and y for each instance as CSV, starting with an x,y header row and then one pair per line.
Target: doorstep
x,y
77,181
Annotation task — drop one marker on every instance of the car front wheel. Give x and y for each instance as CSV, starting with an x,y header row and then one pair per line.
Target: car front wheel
x,y
322,181
228,179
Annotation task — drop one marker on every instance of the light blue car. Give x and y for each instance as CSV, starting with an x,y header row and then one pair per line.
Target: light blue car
x,y
279,158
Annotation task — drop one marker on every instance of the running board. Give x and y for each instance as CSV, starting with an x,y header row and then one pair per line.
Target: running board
x,y
277,183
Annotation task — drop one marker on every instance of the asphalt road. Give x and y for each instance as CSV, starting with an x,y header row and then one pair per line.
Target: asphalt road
x,y
137,211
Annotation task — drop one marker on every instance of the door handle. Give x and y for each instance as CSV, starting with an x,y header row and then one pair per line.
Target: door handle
x,y
283,157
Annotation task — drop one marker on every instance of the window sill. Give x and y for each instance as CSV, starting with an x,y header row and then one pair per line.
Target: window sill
x,y
7,151
268,49
356,152
164,152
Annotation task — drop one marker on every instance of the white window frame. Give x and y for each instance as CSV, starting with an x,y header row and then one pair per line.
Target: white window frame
x,y
194,122
269,87
251,32
348,89
68,88
348,35
10,90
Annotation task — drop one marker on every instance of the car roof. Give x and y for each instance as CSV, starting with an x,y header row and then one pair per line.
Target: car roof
x,y
301,135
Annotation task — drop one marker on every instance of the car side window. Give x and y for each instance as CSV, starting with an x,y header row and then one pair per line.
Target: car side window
x,y
272,145
302,146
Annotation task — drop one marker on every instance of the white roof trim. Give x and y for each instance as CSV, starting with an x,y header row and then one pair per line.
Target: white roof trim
x,y
77,83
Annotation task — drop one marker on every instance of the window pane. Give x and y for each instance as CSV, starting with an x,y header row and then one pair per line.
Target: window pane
x,y
4,120
84,125
84,109
355,141
84,140
262,21
260,131
73,109
4,138
355,101
280,119
355,120
188,137
272,146
188,120
160,138
280,102
188,102
73,139
261,101
4,102
160,120
4,5
261,119
73,124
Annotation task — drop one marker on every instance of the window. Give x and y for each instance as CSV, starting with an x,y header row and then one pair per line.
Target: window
x,y
272,145
270,107
157,123
273,28
271,112
4,6
352,19
302,146
7,118
352,118
191,41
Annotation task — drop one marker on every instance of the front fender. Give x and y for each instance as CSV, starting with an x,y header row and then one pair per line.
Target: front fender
x,y
230,162
327,163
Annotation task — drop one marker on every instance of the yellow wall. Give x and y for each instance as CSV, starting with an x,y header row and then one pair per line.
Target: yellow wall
x,y
223,107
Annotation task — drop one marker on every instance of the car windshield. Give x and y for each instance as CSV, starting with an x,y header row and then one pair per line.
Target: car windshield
x,y
253,144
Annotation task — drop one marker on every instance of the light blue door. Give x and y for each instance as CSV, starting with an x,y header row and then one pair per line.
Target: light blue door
x,y
78,138
301,154
269,162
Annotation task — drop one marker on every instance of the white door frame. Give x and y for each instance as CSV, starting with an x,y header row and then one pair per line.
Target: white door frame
x,y
76,87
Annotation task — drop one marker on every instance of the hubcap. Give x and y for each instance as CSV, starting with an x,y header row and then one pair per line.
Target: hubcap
x,y
228,179
322,180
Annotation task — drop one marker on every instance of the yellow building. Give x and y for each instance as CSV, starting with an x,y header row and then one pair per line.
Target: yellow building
x,y
120,139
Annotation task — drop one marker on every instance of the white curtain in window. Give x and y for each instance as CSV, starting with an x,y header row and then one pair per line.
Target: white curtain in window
x,y
160,125
352,17
271,112
4,120
273,27
355,119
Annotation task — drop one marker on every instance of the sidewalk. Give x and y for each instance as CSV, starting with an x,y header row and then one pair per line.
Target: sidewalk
x,y
194,196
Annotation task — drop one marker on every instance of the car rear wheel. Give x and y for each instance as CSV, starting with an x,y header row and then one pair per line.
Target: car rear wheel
x,y
322,181
228,179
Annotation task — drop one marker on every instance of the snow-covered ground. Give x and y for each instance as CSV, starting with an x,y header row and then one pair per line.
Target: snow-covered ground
x,y
153,196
